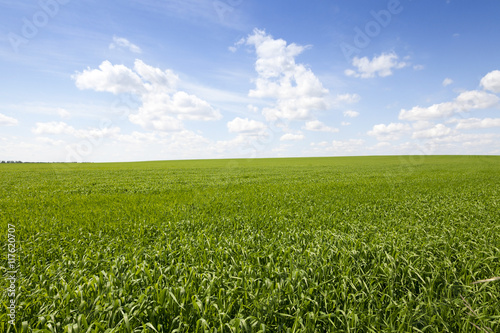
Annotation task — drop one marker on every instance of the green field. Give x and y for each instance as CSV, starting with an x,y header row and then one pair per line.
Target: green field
x,y
346,244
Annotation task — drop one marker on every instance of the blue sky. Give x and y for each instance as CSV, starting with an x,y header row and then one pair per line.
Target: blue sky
x,y
185,79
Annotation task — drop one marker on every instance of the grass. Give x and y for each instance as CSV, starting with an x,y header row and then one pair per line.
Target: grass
x,y
352,244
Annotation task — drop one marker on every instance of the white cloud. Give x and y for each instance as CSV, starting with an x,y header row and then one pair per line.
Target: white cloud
x,y
7,121
418,67
180,105
478,143
447,82
252,108
346,99
142,138
318,126
383,65
282,148
439,130
163,107
296,90
241,143
347,146
188,144
345,123
292,137
390,132
338,147
155,78
351,114
59,128
466,139
163,145
422,124
54,128
63,113
466,101
156,121
472,123
491,81
240,125
50,141
383,144
236,45
471,100
434,111
115,79
119,42
320,144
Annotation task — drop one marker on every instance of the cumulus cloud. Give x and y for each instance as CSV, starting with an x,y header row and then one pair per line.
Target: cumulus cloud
x,y
466,101
339,147
351,114
443,137
162,108
347,146
7,121
382,66
63,113
282,148
111,78
447,82
156,78
50,141
143,138
252,108
171,145
439,130
120,42
296,90
491,81
292,137
473,123
59,128
318,126
53,128
320,144
240,125
151,120
461,140
390,132
347,99
422,124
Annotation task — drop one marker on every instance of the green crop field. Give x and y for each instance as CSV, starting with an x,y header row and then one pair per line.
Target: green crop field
x,y
346,244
